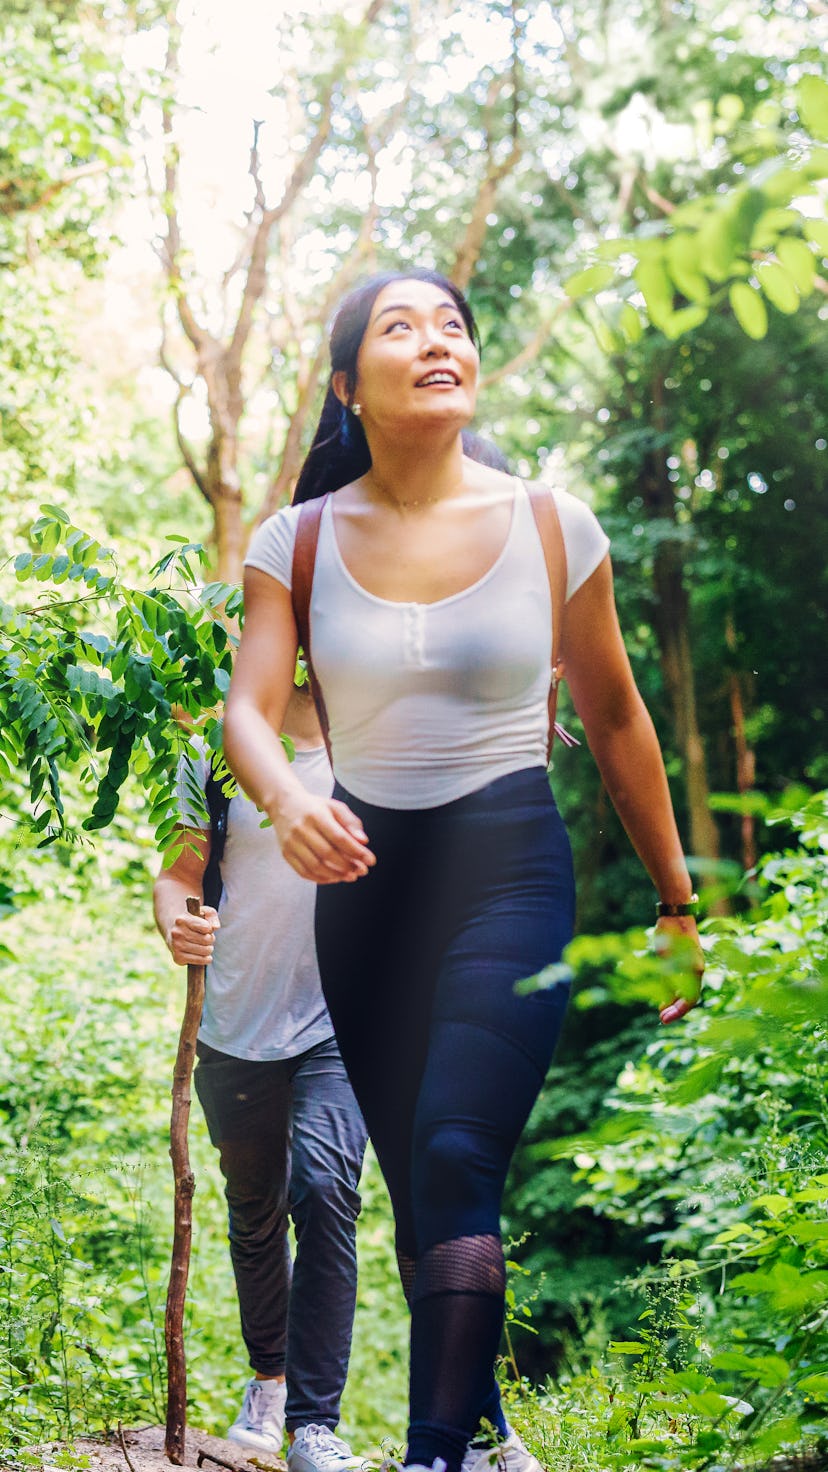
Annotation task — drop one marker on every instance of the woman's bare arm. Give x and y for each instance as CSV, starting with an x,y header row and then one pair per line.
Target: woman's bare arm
x,y
623,741
320,837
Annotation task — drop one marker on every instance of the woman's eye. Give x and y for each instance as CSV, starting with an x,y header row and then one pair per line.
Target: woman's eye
x,y
400,323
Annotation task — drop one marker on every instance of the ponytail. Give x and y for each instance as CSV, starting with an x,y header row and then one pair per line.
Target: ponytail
x,y
338,455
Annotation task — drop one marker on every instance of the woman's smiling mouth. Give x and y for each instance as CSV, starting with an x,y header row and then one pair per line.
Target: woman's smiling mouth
x,y
439,376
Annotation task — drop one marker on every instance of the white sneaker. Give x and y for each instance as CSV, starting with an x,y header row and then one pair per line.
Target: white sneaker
x,y
261,1420
316,1449
508,1456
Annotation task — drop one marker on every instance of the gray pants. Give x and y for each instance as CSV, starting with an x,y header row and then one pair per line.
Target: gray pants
x,y
291,1140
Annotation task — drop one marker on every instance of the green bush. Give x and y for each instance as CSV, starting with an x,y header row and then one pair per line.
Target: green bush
x,y
712,1149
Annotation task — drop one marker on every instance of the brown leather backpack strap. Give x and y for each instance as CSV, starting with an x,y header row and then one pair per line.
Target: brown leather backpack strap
x,y
548,523
301,587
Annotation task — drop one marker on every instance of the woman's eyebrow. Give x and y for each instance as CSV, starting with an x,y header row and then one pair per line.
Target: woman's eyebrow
x,y
407,307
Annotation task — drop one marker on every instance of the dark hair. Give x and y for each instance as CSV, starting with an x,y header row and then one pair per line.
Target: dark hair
x,y
339,452
484,451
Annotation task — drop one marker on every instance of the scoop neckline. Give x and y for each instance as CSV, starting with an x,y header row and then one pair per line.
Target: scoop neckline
x,y
437,602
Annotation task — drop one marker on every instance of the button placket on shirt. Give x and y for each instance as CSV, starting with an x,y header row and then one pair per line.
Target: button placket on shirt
x,y
414,635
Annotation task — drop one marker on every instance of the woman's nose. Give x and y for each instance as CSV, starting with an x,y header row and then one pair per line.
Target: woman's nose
x,y
433,344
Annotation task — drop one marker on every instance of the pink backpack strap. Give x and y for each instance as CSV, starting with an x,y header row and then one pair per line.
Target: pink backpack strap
x,y
548,523
301,586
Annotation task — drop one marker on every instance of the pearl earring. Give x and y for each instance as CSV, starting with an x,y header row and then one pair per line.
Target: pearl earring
x,y
356,409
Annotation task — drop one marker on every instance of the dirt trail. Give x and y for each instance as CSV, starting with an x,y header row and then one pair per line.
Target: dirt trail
x,y
145,1453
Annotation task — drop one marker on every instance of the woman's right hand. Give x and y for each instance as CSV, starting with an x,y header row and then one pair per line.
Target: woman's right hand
x,y
190,937
322,839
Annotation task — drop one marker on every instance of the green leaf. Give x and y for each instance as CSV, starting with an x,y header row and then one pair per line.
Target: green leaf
x,y
756,804
98,642
656,289
699,1080
629,323
770,226
585,283
812,104
684,320
774,1204
607,340
799,261
817,232
812,1193
788,1289
786,1432
54,511
709,1404
741,1036
683,265
769,1370
807,1232
717,245
814,1385
748,309
778,286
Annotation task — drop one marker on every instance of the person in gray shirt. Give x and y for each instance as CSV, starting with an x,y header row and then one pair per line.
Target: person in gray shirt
x,y
279,1109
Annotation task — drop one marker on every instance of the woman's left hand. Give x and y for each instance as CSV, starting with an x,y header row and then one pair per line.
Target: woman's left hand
x,y
680,930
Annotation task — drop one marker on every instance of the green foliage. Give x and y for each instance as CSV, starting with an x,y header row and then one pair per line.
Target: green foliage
x,y
63,122
713,1149
158,659
764,235
82,1104
89,1015
60,1370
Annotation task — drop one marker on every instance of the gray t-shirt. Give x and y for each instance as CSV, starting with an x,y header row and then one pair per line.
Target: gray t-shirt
x,y
263,999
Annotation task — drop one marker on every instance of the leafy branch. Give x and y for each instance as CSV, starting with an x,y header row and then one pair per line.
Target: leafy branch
x,y
131,688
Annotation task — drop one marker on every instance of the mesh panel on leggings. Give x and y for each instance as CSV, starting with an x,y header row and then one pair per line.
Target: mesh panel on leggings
x,y
407,1269
463,1265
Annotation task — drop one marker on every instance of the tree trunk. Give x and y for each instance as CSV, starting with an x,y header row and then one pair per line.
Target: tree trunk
x,y
745,755
221,375
672,625
225,497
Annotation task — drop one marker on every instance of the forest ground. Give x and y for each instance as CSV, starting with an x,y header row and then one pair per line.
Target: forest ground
x,y
143,1451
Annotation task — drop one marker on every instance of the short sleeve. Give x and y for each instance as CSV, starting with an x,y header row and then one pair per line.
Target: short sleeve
x,y
191,778
271,546
585,540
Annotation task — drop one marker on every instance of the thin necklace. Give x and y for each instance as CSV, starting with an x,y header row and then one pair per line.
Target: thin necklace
x,y
399,501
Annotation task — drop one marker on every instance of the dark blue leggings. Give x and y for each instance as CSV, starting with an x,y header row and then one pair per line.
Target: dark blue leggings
x,y
419,962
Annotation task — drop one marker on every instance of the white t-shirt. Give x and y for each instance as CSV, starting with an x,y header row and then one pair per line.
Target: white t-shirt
x,y
262,999
428,702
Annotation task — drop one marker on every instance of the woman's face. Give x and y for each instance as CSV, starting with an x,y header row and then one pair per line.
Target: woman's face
x,y
417,363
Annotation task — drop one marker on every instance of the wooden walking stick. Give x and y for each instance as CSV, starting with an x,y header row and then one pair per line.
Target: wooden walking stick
x,y
183,1229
